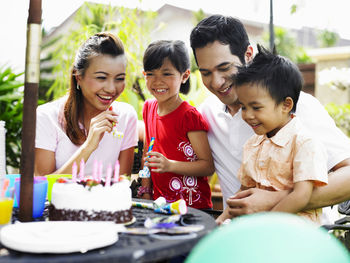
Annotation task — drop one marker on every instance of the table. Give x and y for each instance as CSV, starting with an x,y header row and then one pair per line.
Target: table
x,y
129,248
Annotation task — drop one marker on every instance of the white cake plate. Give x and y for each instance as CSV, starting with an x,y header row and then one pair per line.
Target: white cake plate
x,y
59,236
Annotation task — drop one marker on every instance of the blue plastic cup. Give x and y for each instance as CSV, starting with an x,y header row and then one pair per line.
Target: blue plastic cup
x,y
11,187
39,194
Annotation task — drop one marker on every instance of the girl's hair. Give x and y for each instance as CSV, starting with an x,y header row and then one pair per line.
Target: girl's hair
x,y
98,44
175,51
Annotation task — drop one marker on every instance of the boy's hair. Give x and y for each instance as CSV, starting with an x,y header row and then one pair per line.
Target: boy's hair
x,y
277,74
225,29
175,51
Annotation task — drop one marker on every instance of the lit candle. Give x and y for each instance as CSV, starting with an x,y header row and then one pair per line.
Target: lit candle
x,y
116,171
108,175
82,170
74,172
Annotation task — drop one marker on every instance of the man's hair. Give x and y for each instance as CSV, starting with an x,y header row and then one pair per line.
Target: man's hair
x,y
225,29
277,74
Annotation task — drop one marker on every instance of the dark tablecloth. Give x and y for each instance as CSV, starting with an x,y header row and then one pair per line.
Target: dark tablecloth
x,y
129,248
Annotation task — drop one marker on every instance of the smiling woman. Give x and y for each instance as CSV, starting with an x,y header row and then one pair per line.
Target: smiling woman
x,y
79,126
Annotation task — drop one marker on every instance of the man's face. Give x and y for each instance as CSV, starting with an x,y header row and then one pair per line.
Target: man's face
x,y
217,65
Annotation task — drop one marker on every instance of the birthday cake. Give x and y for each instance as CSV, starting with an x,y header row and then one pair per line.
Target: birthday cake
x,y
89,200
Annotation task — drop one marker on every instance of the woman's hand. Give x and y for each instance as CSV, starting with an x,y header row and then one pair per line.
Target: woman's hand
x,y
100,124
157,162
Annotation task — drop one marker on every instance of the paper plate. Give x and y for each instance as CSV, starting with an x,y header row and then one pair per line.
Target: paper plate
x,y
59,236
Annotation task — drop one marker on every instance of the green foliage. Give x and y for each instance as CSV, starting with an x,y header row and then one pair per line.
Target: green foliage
x,y
134,28
286,46
327,38
198,16
198,92
293,9
11,107
341,116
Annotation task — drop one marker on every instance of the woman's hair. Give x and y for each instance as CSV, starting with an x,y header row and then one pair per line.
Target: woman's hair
x,y
225,29
175,51
278,75
98,44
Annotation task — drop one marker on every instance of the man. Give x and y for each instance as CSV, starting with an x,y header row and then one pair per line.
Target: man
x,y
220,44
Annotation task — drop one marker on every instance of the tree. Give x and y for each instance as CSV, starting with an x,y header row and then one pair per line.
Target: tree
x,y
327,38
286,46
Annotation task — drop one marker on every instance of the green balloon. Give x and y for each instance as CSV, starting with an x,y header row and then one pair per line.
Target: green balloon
x,y
269,238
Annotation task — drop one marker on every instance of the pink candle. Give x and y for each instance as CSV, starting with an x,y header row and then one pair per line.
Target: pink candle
x,y
94,171
74,172
82,170
116,171
109,175
100,171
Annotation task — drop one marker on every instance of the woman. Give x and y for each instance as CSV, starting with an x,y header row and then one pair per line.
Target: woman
x,y
83,124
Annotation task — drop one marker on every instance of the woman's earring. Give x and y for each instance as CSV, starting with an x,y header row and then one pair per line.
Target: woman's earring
x,y
78,87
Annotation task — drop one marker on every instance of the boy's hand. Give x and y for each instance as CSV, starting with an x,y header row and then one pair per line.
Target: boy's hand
x,y
158,162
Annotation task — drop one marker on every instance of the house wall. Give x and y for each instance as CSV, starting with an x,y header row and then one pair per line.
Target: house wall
x,y
174,23
326,58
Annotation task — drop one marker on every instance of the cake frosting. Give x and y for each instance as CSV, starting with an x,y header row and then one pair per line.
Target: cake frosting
x,y
86,201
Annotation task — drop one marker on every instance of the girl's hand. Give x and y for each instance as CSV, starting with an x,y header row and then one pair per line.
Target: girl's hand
x,y
98,126
158,162
146,196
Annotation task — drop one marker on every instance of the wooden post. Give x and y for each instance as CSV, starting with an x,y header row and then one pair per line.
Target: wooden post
x,y
31,85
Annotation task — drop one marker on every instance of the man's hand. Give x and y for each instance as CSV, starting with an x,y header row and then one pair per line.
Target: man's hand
x,y
223,218
253,200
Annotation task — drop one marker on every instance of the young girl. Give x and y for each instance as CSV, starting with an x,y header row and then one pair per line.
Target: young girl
x,y
282,155
181,158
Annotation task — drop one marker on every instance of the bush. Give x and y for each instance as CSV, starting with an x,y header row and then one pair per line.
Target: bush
x,y
11,108
341,116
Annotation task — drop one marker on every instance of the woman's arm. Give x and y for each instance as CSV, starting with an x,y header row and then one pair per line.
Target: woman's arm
x,y
203,166
98,126
45,162
296,200
126,160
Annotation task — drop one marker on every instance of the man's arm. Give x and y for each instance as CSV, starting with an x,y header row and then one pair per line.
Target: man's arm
x,y
257,200
297,199
337,190
254,200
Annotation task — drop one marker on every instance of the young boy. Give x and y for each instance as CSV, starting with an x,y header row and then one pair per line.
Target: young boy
x,y
281,155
